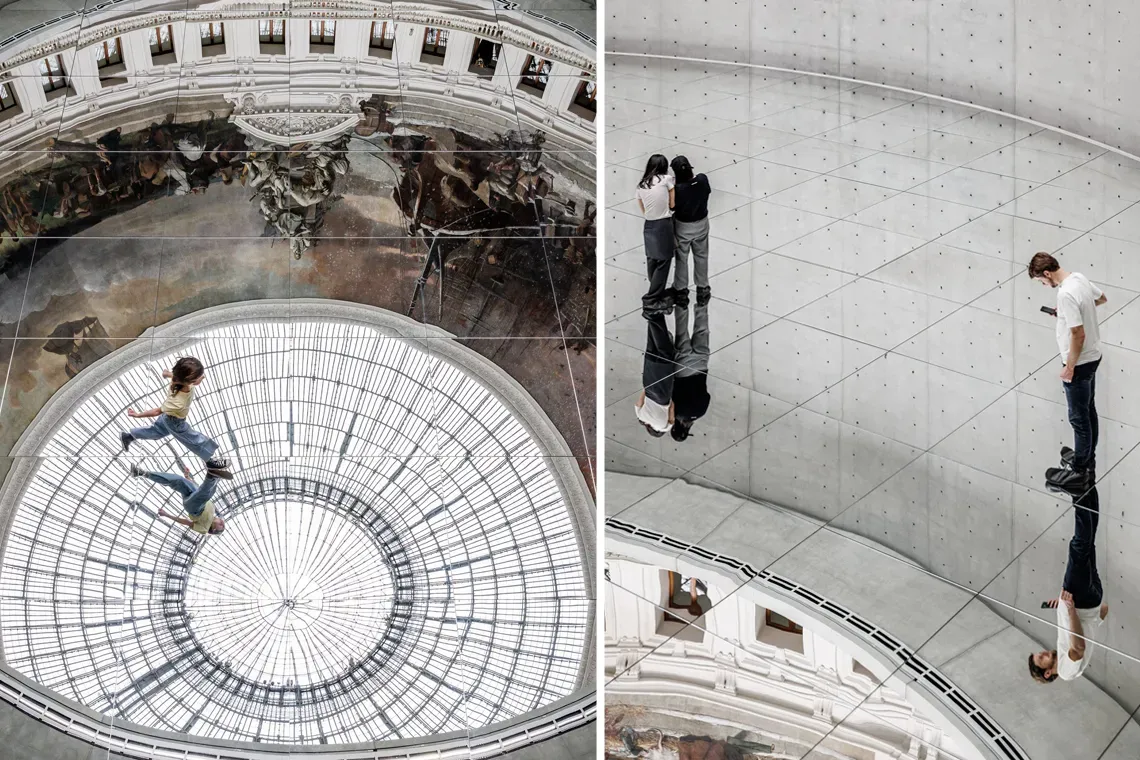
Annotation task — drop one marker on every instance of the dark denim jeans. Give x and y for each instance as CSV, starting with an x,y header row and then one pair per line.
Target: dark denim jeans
x,y
194,497
1081,577
1080,393
658,236
165,425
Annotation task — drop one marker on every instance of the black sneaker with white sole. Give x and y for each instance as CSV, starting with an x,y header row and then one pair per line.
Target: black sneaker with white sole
x,y
1067,455
126,439
1068,480
219,468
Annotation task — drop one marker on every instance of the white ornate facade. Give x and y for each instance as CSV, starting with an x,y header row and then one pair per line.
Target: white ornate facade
x,y
739,673
294,73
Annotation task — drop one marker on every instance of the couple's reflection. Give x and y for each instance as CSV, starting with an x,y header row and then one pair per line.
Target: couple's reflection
x,y
674,373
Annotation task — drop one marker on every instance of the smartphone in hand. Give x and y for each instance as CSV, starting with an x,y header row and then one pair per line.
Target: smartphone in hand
x,y
1049,310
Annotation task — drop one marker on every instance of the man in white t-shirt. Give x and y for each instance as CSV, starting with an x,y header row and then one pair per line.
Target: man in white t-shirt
x,y
1078,340
1080,612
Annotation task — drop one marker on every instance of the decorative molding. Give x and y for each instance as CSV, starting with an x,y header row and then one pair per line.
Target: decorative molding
x,y
288,117
985,731
415,13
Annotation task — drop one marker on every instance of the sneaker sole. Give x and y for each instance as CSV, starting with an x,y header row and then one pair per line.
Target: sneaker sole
x,y
1069,489
223,474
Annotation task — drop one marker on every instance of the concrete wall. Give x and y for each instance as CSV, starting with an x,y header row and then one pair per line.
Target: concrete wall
x,y
1066,64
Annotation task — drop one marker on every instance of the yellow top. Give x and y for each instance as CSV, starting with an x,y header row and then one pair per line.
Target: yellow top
x,y
177,404
203,521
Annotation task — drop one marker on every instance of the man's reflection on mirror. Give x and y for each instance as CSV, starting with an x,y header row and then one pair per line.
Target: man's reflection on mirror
x,y
1080,612
690,388
655,404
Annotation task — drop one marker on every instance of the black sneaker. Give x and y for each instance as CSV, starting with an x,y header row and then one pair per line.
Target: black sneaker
x,y
126,439
219,468
1067,479
1067,455
680,297
661,306
703,295
136,471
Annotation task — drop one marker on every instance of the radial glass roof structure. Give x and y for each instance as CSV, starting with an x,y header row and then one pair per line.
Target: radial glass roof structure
x,y
399,559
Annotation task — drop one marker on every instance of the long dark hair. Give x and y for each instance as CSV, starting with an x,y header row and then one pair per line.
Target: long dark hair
x,y
186,371
656,166
682,169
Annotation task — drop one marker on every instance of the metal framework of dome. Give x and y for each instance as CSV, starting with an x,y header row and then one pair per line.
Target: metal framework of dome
x,y
400,559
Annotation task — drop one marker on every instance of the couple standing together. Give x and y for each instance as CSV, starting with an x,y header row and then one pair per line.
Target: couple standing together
x,y
674,202
676,212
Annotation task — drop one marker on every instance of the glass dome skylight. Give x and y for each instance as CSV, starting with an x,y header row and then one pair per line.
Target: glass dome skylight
x,y
399,559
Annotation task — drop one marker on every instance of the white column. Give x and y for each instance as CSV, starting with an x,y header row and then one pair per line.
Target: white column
x,y
26,83
352,38
460,46
84,73
562,86
824,654
187,41
724,620
652,588
242,38
624,625
136,51
509,70
297,37
409,43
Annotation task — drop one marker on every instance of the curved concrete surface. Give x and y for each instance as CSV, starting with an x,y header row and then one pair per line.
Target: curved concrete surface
x,y
1069,65
879,368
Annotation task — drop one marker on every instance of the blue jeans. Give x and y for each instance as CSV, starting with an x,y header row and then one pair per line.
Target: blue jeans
x,y
165,425
194,497
1080,393
1081,577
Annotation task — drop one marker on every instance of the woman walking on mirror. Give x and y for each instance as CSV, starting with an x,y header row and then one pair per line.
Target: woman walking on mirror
x,y
187,374
690,231
655,197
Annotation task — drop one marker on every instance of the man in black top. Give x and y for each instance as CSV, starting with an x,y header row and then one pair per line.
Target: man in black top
x,y
690,231
690,387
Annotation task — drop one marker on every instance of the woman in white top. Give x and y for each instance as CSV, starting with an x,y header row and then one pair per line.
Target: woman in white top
x,y
655,197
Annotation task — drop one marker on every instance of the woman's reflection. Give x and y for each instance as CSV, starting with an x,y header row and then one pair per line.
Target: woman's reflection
x,y
674,374
655,404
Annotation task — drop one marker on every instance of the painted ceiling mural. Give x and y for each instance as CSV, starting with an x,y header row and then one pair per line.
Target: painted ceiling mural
x,y
105,234
638,731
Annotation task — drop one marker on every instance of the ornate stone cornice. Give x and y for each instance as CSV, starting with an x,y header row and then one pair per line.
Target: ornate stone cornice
x,y
287,118
416,13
